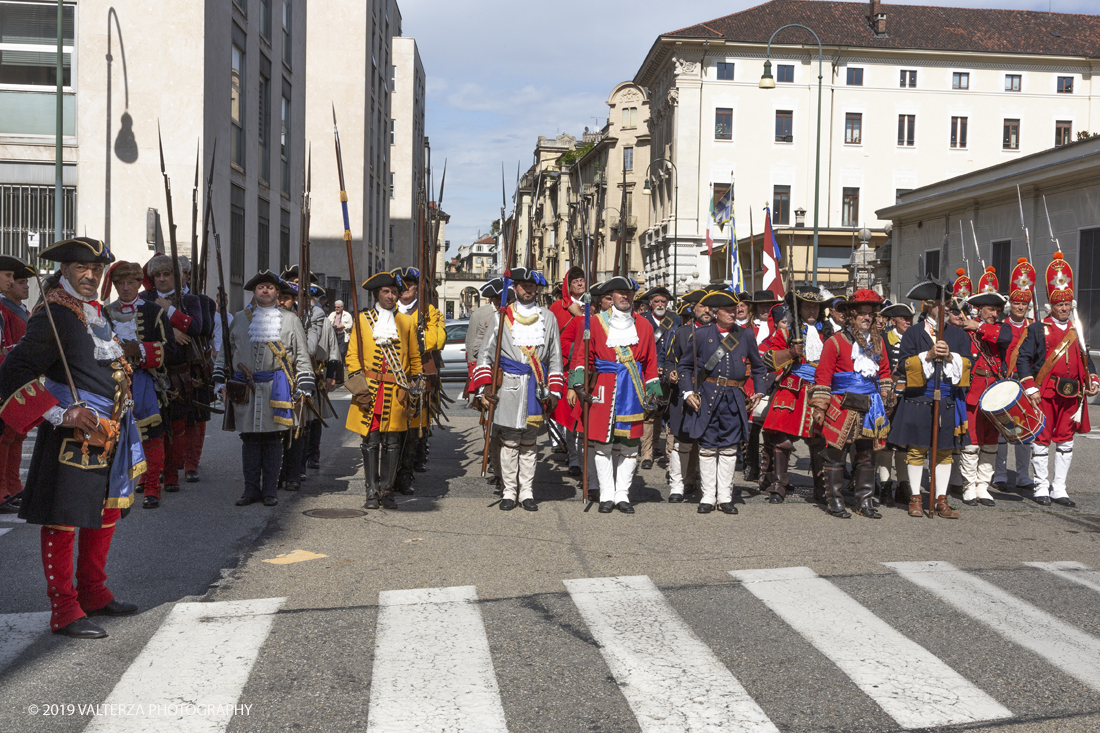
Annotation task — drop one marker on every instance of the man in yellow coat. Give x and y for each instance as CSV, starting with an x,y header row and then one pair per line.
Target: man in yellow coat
x,y
414,452
382,345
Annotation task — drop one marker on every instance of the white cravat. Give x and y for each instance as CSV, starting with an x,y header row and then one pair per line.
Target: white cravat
x,y
622,331
406,309
533,334
385,328
267,325
813,344
104,349
763,330
861,363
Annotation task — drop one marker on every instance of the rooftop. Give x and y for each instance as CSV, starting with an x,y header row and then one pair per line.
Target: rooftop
x,y
982,30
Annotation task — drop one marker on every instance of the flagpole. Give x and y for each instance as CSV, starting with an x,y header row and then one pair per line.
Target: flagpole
x,y
752,255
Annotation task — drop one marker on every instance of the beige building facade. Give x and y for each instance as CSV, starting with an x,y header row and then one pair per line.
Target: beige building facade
x,y
408,184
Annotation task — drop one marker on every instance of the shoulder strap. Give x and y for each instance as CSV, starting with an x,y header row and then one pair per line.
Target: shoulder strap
x,y
1054,356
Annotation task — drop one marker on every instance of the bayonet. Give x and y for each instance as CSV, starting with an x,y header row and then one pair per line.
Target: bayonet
x,y
347,239
177,293
977,249
1030,258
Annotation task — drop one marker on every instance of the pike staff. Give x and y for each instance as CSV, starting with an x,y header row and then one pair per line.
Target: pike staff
x,y
1030,258
356,383
937,377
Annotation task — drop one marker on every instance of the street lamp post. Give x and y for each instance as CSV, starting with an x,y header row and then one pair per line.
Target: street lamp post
x,y
675,215
768,82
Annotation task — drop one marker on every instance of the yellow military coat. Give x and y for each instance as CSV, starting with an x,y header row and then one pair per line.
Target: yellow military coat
x,y
394,417
435,338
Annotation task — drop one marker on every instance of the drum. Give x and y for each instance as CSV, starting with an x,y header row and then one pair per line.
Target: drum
x,y
1011,412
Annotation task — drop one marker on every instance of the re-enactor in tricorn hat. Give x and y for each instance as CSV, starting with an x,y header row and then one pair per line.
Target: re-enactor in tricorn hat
x,y
14,289
380,379
265,382
86,457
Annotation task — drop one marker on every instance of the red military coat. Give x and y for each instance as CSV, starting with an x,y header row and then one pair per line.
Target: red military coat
x,y
842,426
606,419
789,411
572,334
1069,364
982,375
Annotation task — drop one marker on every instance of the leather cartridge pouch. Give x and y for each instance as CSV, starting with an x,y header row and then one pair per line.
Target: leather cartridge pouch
x,y
237,392
1067,387
105,436
356,383
858,402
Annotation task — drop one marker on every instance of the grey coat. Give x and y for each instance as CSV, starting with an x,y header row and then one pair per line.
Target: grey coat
x,y
258,416
475,331
512,410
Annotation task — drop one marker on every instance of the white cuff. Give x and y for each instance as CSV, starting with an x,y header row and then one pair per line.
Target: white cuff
x,y
1031,390
141,347
952,369
55,415
171,310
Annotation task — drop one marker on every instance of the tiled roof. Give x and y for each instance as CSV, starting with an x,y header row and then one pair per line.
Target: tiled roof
x,y
910,26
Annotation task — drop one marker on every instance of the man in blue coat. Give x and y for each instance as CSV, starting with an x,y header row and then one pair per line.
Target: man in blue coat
x,y
665,322
712,379
681,448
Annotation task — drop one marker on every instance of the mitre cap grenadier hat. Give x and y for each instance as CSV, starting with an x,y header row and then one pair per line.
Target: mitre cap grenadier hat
x,y
1022,284
78,249
963,287
1059,280
987,283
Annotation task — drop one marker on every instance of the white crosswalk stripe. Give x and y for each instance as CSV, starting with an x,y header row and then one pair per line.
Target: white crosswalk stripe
x,y
910,684
672,680
4,531
189,676
432,667
1077,572
18,631
1063,645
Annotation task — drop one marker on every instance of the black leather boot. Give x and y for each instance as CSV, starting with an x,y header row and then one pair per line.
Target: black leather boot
x,y
370,471
865,490
391,459
781,464
834,487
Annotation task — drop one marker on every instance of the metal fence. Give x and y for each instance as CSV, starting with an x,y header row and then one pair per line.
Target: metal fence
x,y
29,209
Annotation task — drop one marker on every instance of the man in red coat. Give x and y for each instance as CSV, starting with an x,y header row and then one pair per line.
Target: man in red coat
x,y
1057,375
622,368
566,310
13,291
1014,328
977,459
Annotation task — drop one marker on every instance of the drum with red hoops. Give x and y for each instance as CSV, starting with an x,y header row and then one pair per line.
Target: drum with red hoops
x,y
1011,412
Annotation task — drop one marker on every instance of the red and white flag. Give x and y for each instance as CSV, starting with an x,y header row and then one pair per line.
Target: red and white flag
x,y
772,279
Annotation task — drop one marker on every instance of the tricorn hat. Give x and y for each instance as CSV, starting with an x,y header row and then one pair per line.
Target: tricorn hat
x,y
291,273
897,310
659,290
382,279
694,296
926,290
762,297
619,282
492,288
525,275
16,266
264,276
406,275
994,299
719,299
78,249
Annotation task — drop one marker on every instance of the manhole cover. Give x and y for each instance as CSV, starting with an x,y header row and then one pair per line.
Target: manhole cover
x,y
334,513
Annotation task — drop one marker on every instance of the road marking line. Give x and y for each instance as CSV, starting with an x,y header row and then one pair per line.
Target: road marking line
x,y
4,531
294,556
190,674
1063,645
432,666
18,631
1077,572
912,685
671,679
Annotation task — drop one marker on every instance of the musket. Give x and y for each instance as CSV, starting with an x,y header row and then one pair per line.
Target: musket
x,y
977,249
347,240
620,267
796,327
962,246
177,293
198,281
1027,238
229,420
1077,326
77,402
937,377
509,256
305,280
195,269
586,244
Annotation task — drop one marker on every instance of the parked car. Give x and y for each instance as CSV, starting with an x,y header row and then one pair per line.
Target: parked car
x,y
454,352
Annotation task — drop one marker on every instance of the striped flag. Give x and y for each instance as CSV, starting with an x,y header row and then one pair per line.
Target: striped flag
x,y
773,279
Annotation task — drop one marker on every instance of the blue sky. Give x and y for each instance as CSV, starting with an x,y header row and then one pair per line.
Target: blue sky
x,y
502,72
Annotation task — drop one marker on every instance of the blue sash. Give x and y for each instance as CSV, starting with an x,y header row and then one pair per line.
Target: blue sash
x,y
627,407
144,392
280,393
129,459
806,370
521,369
956,393
875,422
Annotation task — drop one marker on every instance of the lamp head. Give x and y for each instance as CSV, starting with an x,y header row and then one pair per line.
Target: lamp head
x,y
767,81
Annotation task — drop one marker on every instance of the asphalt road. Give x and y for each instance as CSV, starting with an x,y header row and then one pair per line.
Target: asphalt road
x,y
565,619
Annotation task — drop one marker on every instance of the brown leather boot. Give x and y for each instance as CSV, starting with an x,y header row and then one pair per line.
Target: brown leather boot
x,y
916,506
943,510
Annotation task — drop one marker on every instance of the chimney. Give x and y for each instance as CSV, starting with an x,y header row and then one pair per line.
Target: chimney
x,y
878,18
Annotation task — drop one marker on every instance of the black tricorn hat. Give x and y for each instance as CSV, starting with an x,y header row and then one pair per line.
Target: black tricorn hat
x,y
406,274
994,299
897,310
16,266
525,275
926,290
619,282
659,290
492,288
265,276
79,249
763,296
381,280
719,299
694,296
291,273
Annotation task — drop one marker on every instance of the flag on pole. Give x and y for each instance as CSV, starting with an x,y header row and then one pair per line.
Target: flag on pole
x,y
723,209
710,220
737,278
773,279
